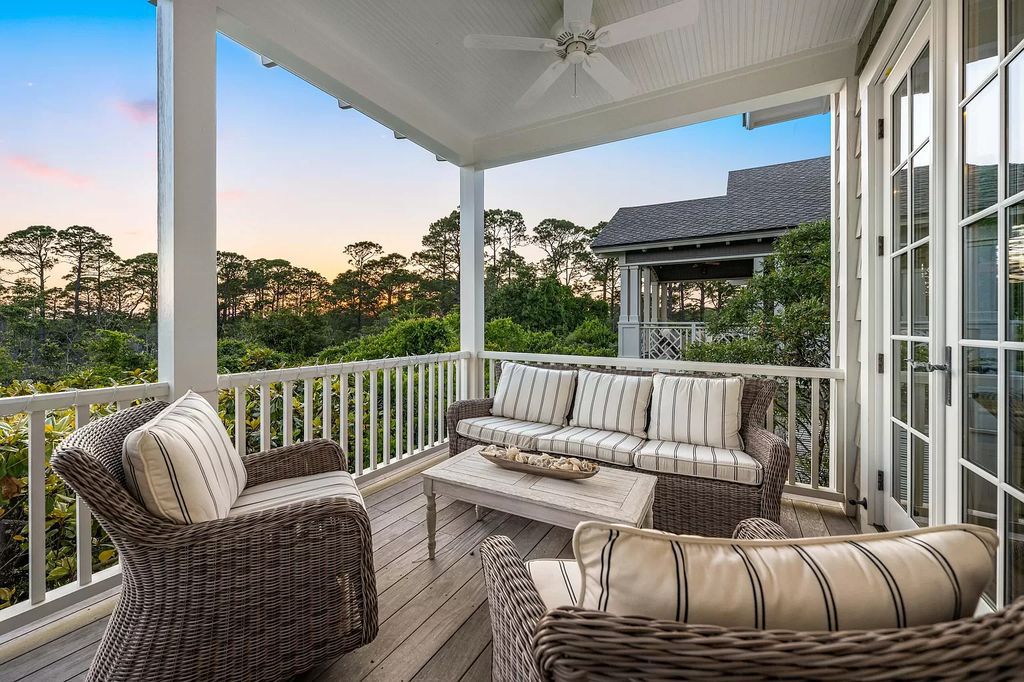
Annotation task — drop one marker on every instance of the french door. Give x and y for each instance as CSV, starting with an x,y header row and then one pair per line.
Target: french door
x,y
914,363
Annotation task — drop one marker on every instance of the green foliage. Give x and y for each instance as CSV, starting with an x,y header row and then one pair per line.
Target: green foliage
x,y
109,352
236,355
785,309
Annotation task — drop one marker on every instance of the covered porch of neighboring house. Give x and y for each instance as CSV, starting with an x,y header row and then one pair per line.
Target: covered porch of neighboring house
x,y
897,431
679,259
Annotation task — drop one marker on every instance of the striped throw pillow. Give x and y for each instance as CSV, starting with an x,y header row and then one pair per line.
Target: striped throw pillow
x,y
534,394
612,402
697,410
858,582
181,464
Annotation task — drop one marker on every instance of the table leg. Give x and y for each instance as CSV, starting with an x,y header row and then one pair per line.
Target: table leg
x,y
431,518
649,519
480,511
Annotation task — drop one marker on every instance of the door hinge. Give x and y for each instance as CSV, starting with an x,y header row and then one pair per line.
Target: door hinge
x,y
880,363
881,246
880,485
881,129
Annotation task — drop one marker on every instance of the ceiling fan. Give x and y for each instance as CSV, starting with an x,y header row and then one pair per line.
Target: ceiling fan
x,y
577,42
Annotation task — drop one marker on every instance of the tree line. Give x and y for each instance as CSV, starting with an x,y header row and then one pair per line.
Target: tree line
x,y
103,307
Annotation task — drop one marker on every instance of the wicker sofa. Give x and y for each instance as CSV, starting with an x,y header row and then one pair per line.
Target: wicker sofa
x,y
689,504
570,643
264,595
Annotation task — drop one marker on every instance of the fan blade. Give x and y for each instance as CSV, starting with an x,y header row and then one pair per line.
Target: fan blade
x,y
659,20
541,85
511,43
576,15
608,76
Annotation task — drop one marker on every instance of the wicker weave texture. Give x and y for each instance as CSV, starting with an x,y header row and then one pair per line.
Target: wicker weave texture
x,y
262,596
687,504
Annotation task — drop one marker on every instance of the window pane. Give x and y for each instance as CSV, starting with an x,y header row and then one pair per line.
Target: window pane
x,y
980,46
980,293
1015,124
1015,419
980,501
899,208
1014,23
920,291
900,459
981,149
900,369
1015,273
900,124
980,407
919,390
919,484
1014,548
922,105
920,192
900,314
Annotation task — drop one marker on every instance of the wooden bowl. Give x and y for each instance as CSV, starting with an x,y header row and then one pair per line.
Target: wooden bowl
x,y
540,471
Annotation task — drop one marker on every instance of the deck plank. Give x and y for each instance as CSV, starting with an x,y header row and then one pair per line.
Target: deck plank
x,y
433,614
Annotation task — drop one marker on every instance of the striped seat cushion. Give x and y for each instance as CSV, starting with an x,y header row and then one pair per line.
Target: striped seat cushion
x,y
698,410
292,490
701,461
605,446
557,580
858,582
181,464
612,402
505,431
534,394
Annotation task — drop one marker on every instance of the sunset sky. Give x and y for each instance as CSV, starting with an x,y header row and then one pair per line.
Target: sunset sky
x,y
297,177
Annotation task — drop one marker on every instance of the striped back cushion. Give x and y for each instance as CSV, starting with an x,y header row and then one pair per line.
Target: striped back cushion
x,y
697,410
534,394
612,402
865,582
181,464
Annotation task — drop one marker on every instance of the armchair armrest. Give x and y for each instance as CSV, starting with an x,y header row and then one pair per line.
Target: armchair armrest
x,y
773,454
759,529
301,459
515,608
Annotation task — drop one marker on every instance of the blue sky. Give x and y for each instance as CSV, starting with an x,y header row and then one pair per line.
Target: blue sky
x,y
297,177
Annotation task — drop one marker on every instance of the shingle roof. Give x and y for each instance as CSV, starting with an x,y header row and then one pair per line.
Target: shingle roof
x,y
764,198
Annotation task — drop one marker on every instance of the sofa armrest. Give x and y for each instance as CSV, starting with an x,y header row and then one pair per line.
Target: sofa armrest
x,y
301,459
465,409
759,529
515,608
773,455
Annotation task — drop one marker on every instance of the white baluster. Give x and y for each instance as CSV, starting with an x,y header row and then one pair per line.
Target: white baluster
x,y
359,422
791,428
419,408
815,430
37,506
286,420
399,407
307,410
431,405
343,438
386,404
240,398
325,417
373,419
265,437
83,518
410,412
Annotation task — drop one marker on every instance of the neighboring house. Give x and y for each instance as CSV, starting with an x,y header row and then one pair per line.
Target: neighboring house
x,y
662,246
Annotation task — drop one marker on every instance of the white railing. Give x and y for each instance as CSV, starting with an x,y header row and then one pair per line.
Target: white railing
x,y
382,412
669,340
40,420
804,412
379,411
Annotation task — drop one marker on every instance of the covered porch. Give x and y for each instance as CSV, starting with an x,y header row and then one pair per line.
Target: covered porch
x,y
867,435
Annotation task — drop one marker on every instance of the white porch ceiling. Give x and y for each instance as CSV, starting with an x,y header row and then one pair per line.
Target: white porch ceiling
x,y
403,61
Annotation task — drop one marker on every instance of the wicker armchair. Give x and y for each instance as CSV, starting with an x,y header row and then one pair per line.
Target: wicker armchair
x,y
687,504
572,643
264,595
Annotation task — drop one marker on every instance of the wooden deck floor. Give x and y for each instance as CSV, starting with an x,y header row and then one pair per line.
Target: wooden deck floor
x,y
433,615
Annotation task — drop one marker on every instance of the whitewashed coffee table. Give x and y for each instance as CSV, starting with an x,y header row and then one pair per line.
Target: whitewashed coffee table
x,y
613,495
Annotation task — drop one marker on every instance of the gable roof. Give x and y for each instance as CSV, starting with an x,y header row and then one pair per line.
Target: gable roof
x,y
774,197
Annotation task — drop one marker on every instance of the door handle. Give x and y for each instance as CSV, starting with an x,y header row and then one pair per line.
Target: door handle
x,y
946,368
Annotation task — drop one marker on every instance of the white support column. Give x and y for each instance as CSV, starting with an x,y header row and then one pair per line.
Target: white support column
x,y
663,289
629,310
471,278
187,195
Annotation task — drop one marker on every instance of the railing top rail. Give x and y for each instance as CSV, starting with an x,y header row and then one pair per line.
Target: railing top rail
x,y
674,365
318,371
670,324
83,396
